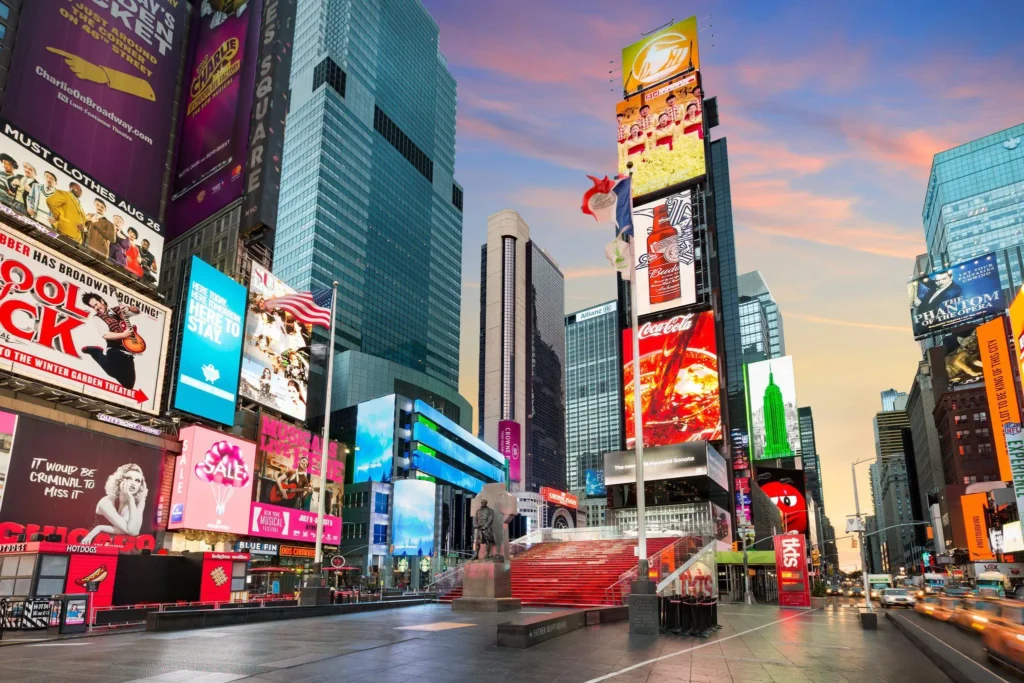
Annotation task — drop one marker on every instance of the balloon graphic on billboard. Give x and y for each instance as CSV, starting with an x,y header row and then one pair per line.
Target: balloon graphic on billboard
x,y
223,468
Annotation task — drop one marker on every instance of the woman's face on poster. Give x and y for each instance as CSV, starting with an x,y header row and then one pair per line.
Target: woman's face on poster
x,y
133,481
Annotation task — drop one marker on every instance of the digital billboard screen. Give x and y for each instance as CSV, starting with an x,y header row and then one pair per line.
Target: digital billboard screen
x,y
509,444
660,55
594,483
211,345
375,440
680,461
213,480
87,487
663,254
96,83
413,519
955,295
963,357
661,133
275,357
41,190
771,397
679,386
786,488
69,326
288,467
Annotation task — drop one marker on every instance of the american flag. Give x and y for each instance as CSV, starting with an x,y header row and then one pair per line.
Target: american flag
x,y
309,308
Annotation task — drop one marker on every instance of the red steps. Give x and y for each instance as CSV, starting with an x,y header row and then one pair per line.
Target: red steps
x,y
571,573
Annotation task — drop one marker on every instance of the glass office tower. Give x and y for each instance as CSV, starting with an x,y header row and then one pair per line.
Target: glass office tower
x,y
761,333
368,196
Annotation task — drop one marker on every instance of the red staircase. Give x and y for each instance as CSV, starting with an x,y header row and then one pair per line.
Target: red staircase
x,y
571,573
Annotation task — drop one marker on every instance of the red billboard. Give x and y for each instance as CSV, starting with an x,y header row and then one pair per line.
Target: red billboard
x,y
559,497
791,565
679,387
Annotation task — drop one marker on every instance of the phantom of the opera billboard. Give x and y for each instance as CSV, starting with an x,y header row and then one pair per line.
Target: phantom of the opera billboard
x,y
955,295
67,325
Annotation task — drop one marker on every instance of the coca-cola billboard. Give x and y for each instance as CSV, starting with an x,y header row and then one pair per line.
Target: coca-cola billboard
x,y
679,385
663,254
510,446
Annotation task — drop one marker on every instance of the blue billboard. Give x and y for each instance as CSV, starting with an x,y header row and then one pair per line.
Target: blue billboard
x,y
413,532
965,291
595,483
375,440
211,345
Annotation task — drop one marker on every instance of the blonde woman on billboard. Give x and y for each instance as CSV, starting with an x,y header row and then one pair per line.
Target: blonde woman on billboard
x,y
121,510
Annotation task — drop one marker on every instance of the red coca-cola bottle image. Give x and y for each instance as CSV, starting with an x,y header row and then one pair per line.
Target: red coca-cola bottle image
x,y
663,259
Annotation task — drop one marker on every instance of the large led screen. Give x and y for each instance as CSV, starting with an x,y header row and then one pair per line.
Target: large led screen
x,y
771,397
96,82
213,480
594,482
660,55
963,357
661,136
71,327
663,254
668,462
375,440
786,488
413,523
275,359
949,297
211,345
288,467
679,387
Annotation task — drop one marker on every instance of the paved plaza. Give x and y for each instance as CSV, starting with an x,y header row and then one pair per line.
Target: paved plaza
x,y
431,643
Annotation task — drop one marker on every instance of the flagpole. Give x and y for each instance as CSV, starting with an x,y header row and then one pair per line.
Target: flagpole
x,y
326,440
638,421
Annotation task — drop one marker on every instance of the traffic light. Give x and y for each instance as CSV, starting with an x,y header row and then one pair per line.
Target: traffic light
x,y
735,546
853,542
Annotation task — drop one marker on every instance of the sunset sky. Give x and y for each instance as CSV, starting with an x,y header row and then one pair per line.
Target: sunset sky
x,y
832,111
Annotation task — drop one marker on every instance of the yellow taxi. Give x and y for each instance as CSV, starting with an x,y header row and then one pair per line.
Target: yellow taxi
x,y
1004,636
936,607
975,614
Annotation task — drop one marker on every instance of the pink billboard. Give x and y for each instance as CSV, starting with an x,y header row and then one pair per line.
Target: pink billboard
x,y
510,445
213,478
287,524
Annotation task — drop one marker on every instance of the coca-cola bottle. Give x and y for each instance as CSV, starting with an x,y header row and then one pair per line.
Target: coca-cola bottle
x,y
663,259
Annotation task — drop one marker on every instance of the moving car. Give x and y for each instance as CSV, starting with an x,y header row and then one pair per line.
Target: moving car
x,y
858,592
958,591
974,614
896,597
1004,637
936,607
878,583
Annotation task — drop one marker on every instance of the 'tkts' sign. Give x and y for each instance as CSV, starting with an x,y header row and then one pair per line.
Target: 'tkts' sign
x,y
791,564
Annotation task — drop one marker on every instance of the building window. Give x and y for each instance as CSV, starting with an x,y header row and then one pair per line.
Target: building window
x,y
380,503
380,533
330,73
383,124
5,11
457,197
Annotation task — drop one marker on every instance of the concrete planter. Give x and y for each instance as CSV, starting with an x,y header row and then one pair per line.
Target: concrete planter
x,y
818,603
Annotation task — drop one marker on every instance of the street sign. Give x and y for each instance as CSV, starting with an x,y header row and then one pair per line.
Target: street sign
x,y
337,561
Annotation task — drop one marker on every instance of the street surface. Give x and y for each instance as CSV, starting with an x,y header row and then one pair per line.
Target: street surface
x,y
759,644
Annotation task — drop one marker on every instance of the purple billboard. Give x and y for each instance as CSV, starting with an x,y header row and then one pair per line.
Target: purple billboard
x,y
216,109
510,445
95,82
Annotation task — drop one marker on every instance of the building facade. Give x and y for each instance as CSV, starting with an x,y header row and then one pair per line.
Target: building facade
x,y
761,333
809,456
965,437
368,194
893,400
522,349
593,394
925,436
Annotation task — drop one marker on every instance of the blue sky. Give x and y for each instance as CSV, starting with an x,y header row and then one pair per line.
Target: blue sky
x,y
832,111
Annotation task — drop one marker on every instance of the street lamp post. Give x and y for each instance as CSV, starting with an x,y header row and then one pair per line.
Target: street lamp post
x,y
863,549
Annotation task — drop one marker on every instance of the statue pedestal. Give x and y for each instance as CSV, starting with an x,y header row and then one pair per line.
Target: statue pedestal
x,y
486,587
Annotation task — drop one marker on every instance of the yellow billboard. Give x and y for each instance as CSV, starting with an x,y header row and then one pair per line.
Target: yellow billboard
x,y
997,366
660,56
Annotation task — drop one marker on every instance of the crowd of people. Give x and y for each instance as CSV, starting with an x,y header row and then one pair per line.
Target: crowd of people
x,y
650,128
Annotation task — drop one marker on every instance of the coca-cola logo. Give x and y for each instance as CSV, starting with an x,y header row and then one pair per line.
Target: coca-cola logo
x,y
676,323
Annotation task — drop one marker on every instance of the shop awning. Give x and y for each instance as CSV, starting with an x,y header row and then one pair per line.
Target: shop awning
x,y
753,557
257,570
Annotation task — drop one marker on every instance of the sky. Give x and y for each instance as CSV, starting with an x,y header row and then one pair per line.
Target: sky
x,y
832,111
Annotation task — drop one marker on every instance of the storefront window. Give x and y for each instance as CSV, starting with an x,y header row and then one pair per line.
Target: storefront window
x,y
16,575
53,570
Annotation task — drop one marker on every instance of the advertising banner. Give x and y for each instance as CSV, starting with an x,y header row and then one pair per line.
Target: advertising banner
x,y
217,108
560,508
973,507
787,489
212,489
743,500
211,345
963,357
998,368
84,486
679,386
663,254
509,444
664,462
288,461
661,132
595,487
375,440
288,524
66,325
96,81
723,528
275,358
791,564
955,295
771,398
660,55
266,129
42,191
1013,436
559,497
739,442
413,518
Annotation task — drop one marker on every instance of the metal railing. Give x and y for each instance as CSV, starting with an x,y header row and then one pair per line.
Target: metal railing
x,y
660,564
29,614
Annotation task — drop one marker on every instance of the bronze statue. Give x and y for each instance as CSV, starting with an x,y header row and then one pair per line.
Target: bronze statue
x,y
483,525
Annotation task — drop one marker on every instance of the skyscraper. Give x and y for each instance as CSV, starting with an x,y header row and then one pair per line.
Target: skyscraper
x,y
761,333
894,400
974,204
593,391
809,456
368,196
522,349
891,487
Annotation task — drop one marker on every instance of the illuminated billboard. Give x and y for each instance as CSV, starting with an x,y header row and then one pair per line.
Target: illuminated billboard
x,y
663,254
211,344
694,459
973,507
679,386
958,294
661,136
212,485
787,489
962,356
69,326
413,519
595,483
375,440
771,400
275,357
96,82
660,55
41,190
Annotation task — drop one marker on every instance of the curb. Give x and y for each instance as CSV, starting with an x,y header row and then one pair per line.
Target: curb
x,y
949,665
